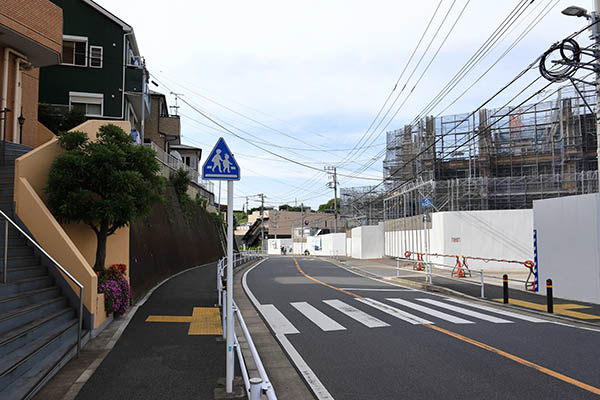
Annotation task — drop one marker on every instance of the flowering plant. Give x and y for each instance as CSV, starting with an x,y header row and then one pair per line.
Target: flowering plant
x,y
114,285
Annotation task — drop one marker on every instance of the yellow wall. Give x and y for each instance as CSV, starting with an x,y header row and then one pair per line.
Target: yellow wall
x,y
72,245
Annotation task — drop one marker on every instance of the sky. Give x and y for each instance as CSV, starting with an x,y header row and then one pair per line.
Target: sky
x,y
303,80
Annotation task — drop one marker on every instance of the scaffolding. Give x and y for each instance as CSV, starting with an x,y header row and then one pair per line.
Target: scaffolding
x,y
496,158
361,206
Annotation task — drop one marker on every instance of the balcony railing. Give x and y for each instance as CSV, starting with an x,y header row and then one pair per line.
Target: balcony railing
x,y
176,164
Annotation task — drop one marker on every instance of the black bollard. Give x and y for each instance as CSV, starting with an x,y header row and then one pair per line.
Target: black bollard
x,y
549,296
505,287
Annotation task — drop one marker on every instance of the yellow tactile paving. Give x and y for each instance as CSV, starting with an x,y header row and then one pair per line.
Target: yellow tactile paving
x,y
204,321
562,309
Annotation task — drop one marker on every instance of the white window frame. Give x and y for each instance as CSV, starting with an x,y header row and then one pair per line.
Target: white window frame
x,y
71,38
101,56
96,98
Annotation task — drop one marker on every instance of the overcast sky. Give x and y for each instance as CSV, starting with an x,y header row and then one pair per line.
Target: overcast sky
x,y
313,74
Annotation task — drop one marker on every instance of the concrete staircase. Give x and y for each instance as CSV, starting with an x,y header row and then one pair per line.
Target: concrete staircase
x,y
38,327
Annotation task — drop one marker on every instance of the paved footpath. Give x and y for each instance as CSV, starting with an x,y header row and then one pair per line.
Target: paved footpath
x,y
169,350
386,268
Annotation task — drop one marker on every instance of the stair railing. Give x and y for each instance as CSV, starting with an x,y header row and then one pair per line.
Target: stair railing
x,y
7,220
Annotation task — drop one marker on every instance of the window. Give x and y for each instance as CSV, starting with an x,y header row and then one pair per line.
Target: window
x,y
96,56
74,51
91,104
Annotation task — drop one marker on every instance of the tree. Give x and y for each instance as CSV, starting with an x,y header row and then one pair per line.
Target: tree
x,y
327,207
287,207
59,119
105,184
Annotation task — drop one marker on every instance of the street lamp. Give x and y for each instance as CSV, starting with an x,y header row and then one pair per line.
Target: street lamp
x,y
575,11
21,120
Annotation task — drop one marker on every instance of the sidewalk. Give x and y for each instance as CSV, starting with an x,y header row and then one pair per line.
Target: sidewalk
x,y
386,268
170,349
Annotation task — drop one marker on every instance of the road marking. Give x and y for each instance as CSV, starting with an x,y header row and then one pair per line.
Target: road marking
x,y
393,311
317,317
309,376
323,283
520,360
563,309
356,314
204,321
279,323
497,311
430,311
379,290
460,310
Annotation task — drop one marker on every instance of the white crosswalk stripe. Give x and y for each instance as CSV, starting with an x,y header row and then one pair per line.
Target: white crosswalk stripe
x,y
497,311
465,311
279,323
317,317
393,311
356,314
432,312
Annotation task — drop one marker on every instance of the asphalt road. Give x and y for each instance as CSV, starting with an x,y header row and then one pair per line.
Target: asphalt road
x,y
365,339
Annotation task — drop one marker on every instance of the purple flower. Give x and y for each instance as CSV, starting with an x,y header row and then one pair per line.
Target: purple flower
x,y
117,294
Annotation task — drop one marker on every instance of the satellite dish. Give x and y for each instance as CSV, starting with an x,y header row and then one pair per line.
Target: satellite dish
x,y
176,155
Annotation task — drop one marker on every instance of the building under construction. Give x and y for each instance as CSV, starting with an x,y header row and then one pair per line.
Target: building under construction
x,y
361,205
496,158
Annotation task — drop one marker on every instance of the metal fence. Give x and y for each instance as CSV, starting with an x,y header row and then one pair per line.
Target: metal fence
x,y
257,386
175,164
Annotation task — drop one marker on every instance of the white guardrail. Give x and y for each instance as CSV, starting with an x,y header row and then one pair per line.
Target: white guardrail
x,y
256,386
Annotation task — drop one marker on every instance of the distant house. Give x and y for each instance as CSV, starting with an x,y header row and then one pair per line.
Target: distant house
x,y
190,155
160,127
101,73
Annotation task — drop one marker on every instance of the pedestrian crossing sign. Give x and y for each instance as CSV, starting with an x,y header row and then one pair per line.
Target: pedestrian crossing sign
x,y
220,164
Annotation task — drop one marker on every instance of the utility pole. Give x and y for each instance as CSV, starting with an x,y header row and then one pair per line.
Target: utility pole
x,y
247,212
276,222
333,185
262,220
302,220
143,100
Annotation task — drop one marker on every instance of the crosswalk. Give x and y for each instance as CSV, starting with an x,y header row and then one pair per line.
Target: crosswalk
x,y
415,312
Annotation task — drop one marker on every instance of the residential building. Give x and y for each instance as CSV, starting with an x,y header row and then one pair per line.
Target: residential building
x,y
281,224
102,73
190,155
30,38
160,127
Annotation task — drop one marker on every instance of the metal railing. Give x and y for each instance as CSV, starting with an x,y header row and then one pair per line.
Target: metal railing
x,y
429,274
7,220
255,387
176,164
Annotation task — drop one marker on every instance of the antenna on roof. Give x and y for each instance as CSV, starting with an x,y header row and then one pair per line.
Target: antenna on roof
x,y
176,107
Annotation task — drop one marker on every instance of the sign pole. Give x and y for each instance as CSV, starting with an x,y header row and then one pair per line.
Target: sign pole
x,y
221,165
230,324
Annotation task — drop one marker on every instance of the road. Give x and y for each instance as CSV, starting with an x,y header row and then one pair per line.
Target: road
x,y
353,337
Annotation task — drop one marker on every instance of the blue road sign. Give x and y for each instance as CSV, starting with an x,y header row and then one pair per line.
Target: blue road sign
x,y
220,164
427,202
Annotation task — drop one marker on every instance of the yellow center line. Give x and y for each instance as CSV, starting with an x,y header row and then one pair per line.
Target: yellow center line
x,y
520,360
476,343
323,283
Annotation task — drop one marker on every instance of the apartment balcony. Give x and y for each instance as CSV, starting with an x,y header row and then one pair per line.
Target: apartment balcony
x,y
170,125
